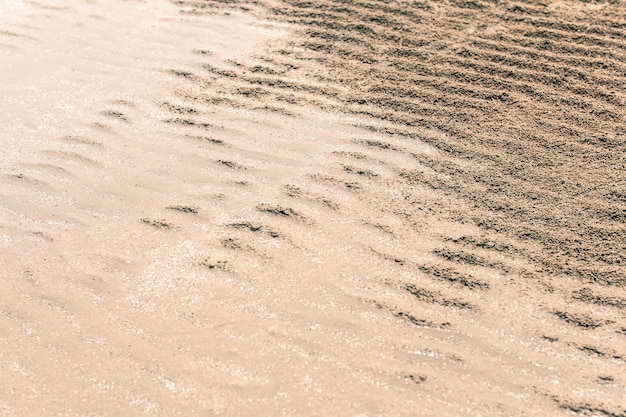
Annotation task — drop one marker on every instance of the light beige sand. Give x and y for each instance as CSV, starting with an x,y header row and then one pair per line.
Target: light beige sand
x,y
191,226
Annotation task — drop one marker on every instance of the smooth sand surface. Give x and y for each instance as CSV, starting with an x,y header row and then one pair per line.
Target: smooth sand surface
x,y
312,208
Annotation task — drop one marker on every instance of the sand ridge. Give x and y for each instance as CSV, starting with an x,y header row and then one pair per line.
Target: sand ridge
x,y
326,215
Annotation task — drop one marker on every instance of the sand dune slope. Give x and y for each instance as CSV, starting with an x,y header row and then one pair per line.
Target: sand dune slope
x,y
312,208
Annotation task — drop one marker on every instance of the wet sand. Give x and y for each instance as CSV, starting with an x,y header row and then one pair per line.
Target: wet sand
x,y
292,208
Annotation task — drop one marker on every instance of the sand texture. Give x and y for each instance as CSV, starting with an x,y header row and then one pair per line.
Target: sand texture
x,y
324,208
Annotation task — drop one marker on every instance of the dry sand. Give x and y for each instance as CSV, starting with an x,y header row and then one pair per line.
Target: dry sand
x,y
373,208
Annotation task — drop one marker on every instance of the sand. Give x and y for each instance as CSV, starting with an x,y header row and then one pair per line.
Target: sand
x,y
312,208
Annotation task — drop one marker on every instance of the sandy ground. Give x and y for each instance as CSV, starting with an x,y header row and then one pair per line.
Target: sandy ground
x,y
312,208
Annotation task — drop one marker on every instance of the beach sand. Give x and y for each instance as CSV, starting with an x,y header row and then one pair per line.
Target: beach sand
x,y
312,208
